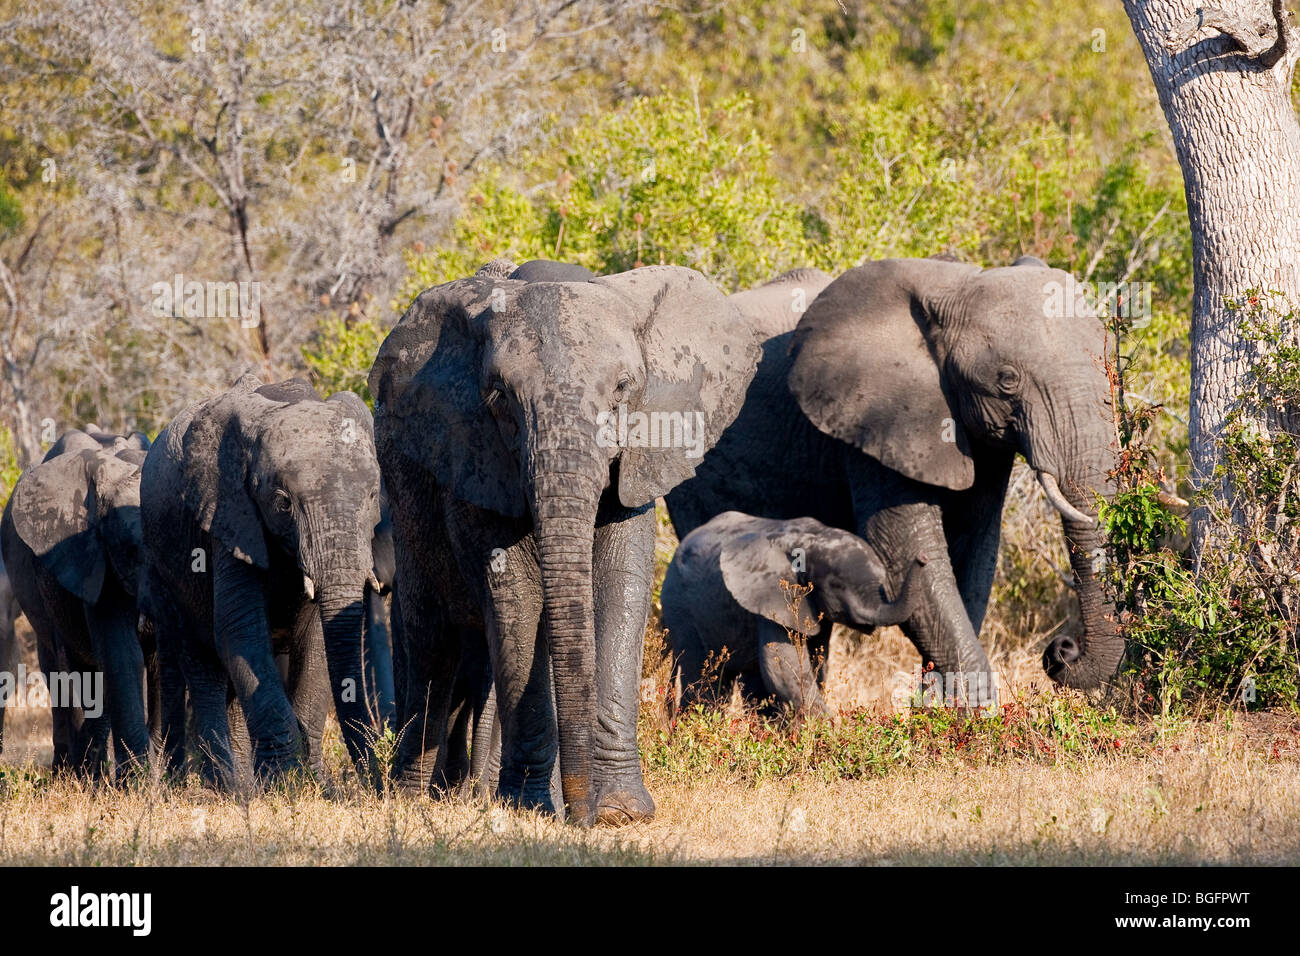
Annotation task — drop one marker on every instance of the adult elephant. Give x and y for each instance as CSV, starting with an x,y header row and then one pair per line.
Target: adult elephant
x,y
895,410
260,509
521,425
71,542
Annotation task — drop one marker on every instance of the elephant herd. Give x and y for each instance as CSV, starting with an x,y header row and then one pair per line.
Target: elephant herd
x,y
851,438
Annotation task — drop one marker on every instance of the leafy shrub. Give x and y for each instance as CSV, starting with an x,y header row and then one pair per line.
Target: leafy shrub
x,y
1225,630
659,180
9,468
341,353
1041,726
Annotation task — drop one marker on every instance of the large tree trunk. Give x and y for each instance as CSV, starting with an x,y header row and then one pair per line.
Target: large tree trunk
x,y
1224,81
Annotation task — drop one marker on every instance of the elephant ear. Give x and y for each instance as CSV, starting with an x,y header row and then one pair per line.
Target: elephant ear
x,y
115,490
865,369
53,508
699,359
215,474
428,396
754,563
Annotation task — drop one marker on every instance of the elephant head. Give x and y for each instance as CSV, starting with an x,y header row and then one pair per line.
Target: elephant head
x,y
919,362
274,469
532,398
847,576
91,437
80,514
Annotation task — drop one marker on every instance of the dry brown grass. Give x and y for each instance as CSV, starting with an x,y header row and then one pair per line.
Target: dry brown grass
x,y
1221,791
1216,800
1216,791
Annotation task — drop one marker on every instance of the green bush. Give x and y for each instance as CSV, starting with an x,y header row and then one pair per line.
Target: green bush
x,y
660,180
340,354
1225,631
9,468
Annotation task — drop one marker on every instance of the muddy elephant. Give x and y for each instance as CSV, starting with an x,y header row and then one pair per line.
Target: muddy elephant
x,y
526,420
260,507
895,409
71,540
754,599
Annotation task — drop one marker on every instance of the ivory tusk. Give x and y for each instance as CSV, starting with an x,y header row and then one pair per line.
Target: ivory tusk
x,y
309,586
1170,500
374,582
1054,495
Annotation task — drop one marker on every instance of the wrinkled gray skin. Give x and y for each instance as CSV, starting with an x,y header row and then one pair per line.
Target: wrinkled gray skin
x,y
71,538
729,616
276,492
515,527
379,620
895,411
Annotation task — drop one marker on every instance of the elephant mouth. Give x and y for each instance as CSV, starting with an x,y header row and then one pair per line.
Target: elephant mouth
x,y
309,586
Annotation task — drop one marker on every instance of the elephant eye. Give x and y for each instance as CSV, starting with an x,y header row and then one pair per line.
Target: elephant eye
x,y
624,383
281,502
1008,380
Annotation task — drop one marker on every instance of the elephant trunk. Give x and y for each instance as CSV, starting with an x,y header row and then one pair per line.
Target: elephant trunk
x,y
340,598
564,502
912,592
1090,659
337,563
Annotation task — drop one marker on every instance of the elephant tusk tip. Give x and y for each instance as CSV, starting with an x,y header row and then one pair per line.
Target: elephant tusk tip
x,y
1061,503
309,587
1170,500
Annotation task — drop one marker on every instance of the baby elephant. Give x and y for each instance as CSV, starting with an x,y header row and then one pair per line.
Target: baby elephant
x,y
727,612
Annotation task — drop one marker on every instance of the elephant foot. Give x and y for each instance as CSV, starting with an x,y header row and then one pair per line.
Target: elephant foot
x,y
624,803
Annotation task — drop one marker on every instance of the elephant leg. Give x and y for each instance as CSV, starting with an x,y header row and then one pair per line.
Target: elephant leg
x,y
469,744
623,559
308,684
485,741
243,639
787,670
47,659
461,721
939,626
506,581
115,642
73,659
378,662
399,660
525,710
170,723
431,654
207,682
241,744
972,522
90,738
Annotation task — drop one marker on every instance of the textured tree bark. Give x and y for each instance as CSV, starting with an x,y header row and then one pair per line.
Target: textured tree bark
x,y
1224,81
